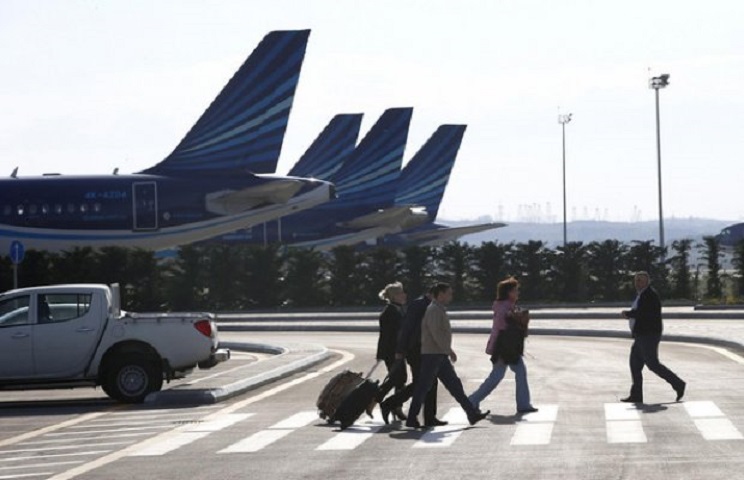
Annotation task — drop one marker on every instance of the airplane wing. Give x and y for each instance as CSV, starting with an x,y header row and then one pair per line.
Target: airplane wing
x,y
443,235
387,217
231,202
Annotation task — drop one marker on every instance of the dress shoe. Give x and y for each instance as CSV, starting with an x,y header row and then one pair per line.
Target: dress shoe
x,y
477,417
435,423
529,409
631,399
680,391
413,424
385,410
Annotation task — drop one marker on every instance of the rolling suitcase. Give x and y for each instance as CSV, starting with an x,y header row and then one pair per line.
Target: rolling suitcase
x,y
338,388
346,396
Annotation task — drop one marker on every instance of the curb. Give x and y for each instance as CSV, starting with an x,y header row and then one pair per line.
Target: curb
x,y
733,346
208,396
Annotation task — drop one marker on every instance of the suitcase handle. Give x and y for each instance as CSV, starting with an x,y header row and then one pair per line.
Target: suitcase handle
x,y
372,370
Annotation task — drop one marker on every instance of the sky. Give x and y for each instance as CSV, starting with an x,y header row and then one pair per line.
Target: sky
x,y
89,86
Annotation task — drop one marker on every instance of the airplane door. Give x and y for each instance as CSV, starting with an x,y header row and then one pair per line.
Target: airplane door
x,y
145,203
16,342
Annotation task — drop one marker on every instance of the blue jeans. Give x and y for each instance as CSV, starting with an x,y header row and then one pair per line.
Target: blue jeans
x,y
494,378
435,366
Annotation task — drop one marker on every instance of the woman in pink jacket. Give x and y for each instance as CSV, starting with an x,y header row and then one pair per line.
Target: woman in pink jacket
x,y
507,293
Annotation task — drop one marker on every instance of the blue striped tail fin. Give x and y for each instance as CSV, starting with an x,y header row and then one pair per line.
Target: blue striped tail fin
x,y
424,179
371,173
331,149
244,126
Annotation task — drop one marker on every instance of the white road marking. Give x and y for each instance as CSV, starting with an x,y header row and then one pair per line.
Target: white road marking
x,y
353,436
263,438
67,441
114,456
536,428
188,434
54,455
42,465
711,422
24,475
445,435
703,409
623,424
51,428
112,430
64,447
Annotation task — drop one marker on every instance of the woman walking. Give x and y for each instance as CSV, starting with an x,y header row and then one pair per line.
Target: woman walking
x,y
508,351
391,320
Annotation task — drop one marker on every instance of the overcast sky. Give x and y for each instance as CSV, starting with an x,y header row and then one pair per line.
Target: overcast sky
x,y
87,86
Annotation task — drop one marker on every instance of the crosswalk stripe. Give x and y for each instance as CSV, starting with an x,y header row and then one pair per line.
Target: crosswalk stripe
x,y
623,424
445,435
536,428
711,422
353,436
264,438
188,434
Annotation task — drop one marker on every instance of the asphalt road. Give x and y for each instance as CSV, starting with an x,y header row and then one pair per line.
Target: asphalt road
x,y
581,431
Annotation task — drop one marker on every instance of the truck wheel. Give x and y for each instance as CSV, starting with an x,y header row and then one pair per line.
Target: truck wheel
x,y
131,378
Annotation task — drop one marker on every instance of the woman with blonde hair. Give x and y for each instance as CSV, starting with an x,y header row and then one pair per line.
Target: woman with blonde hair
x,y
507,350
391,320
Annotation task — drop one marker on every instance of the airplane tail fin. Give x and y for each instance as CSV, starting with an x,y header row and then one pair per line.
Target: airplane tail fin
x,y
424,179
331,149
370,174
244,126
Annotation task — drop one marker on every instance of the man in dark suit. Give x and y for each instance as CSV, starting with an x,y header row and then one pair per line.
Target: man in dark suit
x,y
409,347
645,324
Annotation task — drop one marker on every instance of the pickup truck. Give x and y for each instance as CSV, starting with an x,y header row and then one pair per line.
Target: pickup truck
x,y
67,336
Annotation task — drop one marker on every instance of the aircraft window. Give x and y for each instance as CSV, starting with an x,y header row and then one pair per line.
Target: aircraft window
x,y
14,311
83,207
70,208
32,209
58,209
57,308
96,207
19,209
45,209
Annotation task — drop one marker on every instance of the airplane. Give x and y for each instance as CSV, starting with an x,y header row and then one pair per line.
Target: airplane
x,y
422,183
365,183
731,236
206,187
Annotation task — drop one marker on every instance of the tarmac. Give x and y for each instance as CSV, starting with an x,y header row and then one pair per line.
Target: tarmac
x,y
722,328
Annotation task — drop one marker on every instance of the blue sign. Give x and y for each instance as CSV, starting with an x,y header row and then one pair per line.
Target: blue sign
x,y
17,251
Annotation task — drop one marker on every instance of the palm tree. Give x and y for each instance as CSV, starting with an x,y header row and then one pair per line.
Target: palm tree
x,y
491,266
711,253
606,261
454,266
570,272
530,263
680,263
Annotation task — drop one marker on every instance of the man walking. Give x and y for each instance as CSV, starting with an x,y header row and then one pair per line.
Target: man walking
x,y
646,327
437,357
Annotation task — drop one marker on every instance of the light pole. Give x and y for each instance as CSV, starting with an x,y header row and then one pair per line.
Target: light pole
x,y
657,83
563,120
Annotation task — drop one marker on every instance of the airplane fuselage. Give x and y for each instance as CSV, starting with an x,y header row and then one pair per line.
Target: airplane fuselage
x,y
147,211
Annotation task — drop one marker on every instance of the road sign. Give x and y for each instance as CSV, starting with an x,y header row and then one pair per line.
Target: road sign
x,y
17,251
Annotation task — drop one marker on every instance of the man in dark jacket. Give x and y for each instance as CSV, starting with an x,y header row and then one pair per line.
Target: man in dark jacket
x,y
409,347
645,324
